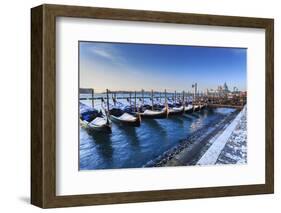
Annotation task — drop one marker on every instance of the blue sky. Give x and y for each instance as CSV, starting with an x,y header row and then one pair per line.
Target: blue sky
x,y
123,66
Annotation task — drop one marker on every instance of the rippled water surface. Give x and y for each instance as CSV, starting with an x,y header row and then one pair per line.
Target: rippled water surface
x,y
132,147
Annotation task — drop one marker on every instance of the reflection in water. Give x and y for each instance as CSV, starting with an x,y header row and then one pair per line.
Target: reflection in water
x,y
177,121
188,117
103,145
130,147
196,114
154,125
131,133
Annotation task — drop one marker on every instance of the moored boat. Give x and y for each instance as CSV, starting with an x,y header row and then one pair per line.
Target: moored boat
x,y
188,109
124,118
93,120
203,106
176,105
153,110
177,110
118,114
153,114
196,108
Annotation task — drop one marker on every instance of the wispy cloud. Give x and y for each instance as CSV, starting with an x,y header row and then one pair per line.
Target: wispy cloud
x,y
107,52
103,53
113,58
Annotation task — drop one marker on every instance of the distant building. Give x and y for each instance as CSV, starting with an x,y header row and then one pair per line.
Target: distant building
x,y
225,88
220,90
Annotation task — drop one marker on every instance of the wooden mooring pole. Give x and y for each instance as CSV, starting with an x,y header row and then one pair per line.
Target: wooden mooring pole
x,y
142,94
93,102
107,100
183,101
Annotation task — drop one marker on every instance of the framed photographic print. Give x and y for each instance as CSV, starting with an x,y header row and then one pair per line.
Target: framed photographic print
x,y
136,106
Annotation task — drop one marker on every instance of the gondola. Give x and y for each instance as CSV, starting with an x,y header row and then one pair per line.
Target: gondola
x,y
93,120
153,114
176,110
124,118
176,107
154,110
118,114
188,109
203,106
196,108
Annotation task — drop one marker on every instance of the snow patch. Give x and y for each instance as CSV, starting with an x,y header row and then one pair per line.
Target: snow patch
x,y
212,154
98,121
127,117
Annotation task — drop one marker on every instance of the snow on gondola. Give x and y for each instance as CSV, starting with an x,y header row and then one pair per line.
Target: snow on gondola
x,y
153,111
93,120
118,114
176,106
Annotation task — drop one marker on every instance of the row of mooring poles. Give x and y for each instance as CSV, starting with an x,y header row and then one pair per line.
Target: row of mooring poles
x,y
152,97
142,91
135,100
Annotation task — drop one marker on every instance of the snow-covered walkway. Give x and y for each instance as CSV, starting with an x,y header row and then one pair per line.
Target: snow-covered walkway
x,y
212,154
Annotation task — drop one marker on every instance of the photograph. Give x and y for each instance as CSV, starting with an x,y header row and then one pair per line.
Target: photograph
x,y
136,105
155,105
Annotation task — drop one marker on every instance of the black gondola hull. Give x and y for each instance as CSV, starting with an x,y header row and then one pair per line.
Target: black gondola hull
x,y
189,111
176,113
196,109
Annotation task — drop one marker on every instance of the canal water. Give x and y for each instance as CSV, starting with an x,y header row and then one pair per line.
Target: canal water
x,y
133,147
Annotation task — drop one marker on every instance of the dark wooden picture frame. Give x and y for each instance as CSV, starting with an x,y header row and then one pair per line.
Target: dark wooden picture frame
x,y
43,105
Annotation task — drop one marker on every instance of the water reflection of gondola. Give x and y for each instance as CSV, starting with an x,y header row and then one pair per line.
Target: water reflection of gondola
x,y
131,134
153,124
178,121
195,114
201,111
103,145
211,110
188,117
